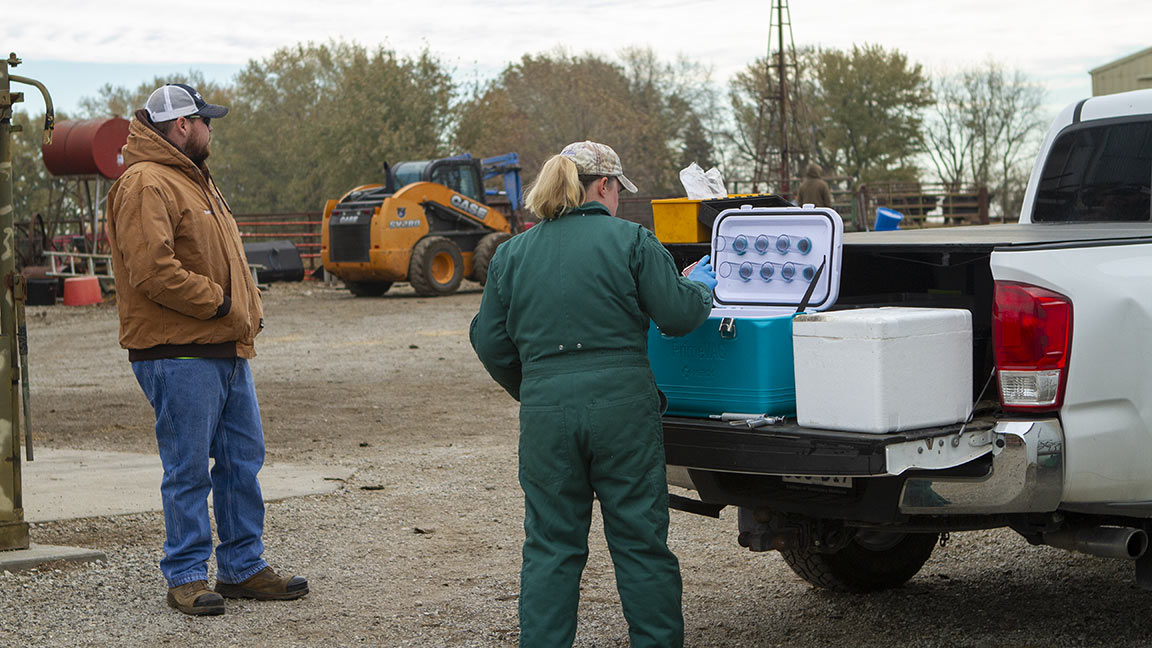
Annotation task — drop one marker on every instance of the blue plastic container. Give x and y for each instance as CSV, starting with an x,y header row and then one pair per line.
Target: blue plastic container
x,y
704,373
887,219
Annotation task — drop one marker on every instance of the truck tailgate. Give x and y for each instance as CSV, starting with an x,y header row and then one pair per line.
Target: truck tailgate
x,y
790,449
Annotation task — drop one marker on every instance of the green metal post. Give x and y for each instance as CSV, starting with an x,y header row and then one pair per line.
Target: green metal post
x,y
13,528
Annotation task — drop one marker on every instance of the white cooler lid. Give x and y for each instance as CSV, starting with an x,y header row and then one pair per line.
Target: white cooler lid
x,y
882,323
766,259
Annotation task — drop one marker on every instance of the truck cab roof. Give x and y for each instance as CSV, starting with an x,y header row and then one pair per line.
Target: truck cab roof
x,y
1095,164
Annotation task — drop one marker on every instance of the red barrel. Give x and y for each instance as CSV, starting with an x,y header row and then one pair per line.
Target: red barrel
x,y
87,147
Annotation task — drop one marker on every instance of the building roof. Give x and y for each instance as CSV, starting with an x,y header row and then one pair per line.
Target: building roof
x,y
1118,62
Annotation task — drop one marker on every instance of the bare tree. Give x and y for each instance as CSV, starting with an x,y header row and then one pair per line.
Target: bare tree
x,y
680,94
984,119
984,89
755,114
1023,125
947,138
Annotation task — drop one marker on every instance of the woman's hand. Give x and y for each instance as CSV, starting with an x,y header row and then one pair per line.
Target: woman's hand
x,y
703,272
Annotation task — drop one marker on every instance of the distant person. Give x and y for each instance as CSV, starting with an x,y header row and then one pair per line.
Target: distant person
x,y
813,190
189,315
563,327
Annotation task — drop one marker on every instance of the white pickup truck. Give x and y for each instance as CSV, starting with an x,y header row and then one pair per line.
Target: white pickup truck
x,y
1059,444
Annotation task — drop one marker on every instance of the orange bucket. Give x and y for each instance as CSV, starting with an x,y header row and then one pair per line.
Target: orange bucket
x,y
82,291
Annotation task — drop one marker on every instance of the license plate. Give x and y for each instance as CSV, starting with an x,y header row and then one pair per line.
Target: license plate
x,y
818,480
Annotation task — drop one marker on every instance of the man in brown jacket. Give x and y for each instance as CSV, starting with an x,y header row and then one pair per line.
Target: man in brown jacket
x,y
189,315
813,190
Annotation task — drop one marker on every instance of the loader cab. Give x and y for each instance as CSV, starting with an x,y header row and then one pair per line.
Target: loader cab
x,y
462,175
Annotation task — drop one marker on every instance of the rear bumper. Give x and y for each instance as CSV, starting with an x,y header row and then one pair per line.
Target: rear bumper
x,y
1026,476
986,467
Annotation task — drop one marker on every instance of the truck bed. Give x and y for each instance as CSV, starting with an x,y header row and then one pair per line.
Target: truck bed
x,y
935,267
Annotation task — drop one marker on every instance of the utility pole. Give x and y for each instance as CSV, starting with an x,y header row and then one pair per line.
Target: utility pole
x,y
781,16
784,174
13,336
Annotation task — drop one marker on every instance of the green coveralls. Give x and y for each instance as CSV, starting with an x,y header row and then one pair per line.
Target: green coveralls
x,y
563,328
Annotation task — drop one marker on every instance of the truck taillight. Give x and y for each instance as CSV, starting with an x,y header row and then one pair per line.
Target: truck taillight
x,y
1032,332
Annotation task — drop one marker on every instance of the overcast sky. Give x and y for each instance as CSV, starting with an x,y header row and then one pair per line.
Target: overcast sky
x,y
75,47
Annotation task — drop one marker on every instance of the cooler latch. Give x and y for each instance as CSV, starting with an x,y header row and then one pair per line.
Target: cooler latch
x,y
727,328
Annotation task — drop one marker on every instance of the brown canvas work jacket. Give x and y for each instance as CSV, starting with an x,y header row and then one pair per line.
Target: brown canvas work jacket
x,y
813,190
182,280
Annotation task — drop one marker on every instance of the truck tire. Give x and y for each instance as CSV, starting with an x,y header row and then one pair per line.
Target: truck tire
x,y
368,288
437,268
483,255
873,560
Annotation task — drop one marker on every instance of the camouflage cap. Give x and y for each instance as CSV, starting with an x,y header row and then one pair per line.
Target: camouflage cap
x,y
597,160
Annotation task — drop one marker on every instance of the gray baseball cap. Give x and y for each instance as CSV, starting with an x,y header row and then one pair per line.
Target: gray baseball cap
x,y
179,100
597,160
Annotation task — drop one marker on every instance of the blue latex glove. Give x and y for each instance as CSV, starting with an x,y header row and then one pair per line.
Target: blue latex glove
x,y
703,272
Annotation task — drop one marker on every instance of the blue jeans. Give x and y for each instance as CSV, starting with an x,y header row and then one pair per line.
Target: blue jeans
x,y
206,408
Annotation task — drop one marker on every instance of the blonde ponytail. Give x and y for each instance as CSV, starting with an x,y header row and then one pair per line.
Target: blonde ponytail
x,y
556,190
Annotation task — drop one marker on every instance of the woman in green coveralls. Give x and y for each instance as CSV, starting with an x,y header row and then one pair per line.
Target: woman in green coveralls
x,y
563,327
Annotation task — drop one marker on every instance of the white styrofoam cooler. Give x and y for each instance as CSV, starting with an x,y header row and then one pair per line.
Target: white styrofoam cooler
x,y
883,369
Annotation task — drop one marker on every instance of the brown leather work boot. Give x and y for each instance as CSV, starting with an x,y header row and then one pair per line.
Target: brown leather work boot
x,y
196,599
266,585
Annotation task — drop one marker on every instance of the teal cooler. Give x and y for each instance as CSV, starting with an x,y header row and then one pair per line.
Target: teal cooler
x,y
740,360
703,373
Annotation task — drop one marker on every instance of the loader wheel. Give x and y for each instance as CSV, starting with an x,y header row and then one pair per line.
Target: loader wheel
x,y
485,249
436,267
368,288
873,560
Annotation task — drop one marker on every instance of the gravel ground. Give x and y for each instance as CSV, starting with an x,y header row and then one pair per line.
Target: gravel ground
x,y
420,547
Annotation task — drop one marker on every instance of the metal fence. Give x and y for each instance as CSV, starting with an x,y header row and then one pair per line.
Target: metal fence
x,y
302,228
925,204
78,264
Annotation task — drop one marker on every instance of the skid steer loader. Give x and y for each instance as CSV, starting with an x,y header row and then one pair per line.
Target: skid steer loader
x,y
431,224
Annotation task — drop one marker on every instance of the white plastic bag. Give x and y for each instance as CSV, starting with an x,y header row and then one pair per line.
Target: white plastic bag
x,y
716,181
702,185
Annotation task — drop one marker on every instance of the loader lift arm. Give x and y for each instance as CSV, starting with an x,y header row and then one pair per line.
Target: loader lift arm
x,y
507,165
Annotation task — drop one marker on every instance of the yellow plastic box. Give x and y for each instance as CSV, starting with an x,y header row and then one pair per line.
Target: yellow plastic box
x,y
675,220
683,220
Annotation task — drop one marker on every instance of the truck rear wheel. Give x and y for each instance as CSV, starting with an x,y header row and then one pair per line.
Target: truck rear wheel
x,y
437,268
873,560
483,255
368,288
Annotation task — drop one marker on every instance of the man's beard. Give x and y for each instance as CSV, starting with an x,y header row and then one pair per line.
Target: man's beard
x,y
196,150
